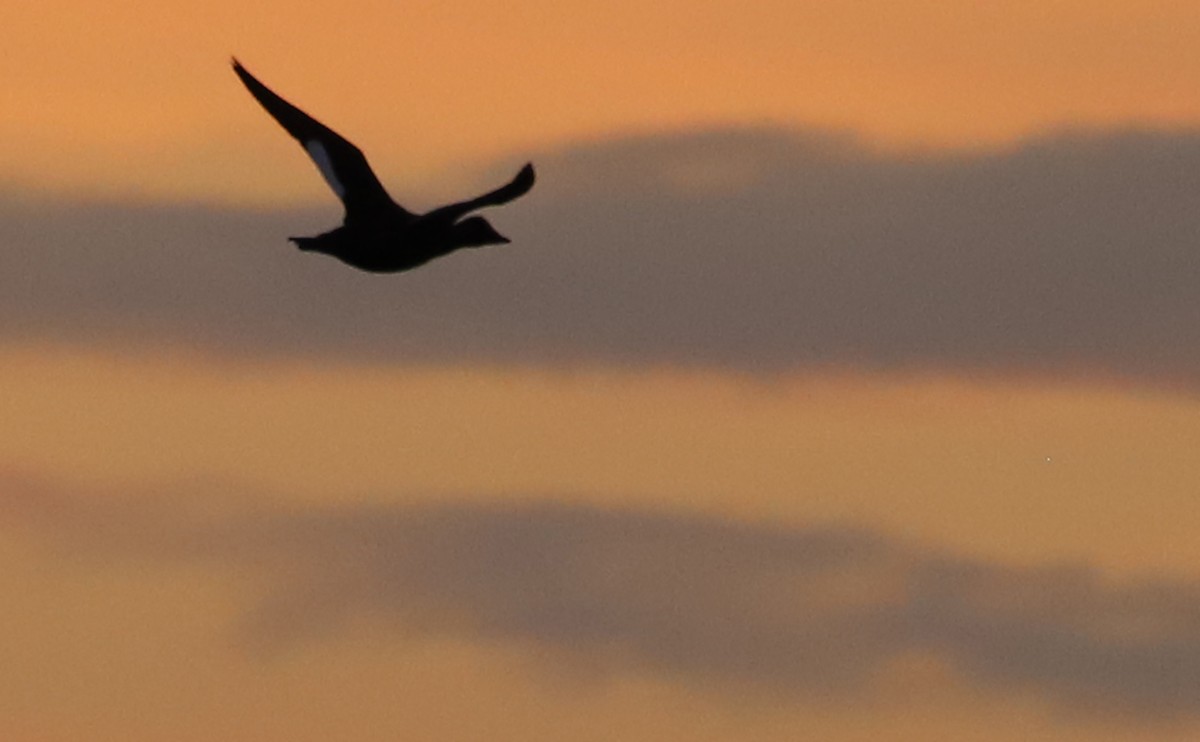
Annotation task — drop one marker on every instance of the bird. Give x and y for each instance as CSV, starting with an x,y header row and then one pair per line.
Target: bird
x,y
377,234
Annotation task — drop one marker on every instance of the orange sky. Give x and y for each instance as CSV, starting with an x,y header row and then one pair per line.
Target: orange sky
x,y
136,97
1002,471
134,101
996,468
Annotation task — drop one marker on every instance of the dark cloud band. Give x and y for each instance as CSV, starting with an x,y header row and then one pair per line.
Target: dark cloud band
x,y
748,250
805,612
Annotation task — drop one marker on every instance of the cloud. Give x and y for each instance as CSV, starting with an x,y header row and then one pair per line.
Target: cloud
x,y
807,612
742,249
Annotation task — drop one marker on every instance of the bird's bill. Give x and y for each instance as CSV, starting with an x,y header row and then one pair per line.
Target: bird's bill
x,y
307,244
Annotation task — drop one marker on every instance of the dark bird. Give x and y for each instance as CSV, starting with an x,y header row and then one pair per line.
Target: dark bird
x,y
377,234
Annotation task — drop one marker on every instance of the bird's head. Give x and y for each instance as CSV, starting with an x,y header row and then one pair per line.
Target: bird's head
x,y
475,231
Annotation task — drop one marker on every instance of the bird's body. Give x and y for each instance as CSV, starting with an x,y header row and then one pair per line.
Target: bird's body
x,y
377,234
390,245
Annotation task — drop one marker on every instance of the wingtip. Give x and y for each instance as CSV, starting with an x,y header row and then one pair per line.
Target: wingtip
x,y
527,175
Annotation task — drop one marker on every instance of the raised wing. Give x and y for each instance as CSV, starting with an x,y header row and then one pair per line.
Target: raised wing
x,y
342,164
514,189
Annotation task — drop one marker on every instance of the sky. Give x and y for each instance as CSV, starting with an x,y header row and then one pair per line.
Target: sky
x,y
841,380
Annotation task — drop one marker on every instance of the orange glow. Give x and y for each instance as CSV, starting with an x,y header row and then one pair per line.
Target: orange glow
x,y
953,464
136,97
1005,469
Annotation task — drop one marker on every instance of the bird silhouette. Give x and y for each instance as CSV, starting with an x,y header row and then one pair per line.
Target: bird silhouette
x,y
377,234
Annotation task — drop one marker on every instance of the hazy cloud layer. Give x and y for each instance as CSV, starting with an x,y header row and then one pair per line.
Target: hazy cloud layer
x,y
802,611
743,249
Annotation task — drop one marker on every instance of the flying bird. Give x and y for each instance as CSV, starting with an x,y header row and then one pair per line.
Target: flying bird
x,y
377,234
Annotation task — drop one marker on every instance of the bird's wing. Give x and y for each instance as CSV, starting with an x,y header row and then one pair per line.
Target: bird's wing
x,y
341,163
515,188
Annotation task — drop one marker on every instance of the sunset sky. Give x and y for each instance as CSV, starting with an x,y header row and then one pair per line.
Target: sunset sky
x,y
842,380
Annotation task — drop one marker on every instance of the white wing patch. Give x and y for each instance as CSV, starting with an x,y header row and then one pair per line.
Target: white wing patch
x,y
317,152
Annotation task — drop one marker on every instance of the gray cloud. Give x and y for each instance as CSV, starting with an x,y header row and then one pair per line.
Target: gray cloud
x,y
749,250
804,612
